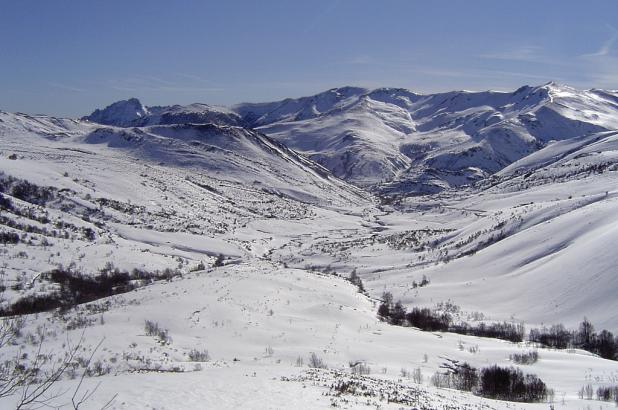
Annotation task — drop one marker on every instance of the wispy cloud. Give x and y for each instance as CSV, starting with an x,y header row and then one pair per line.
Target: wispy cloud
x,y
66,87
601,67
528,54
194,78
141,83
360,60
474,73
523,53
606,47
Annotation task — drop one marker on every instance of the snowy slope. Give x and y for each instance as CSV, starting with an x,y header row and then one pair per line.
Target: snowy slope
x,y
535,242
531,240
176,193
260,323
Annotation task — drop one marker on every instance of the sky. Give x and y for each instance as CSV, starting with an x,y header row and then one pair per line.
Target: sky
x,y
68,57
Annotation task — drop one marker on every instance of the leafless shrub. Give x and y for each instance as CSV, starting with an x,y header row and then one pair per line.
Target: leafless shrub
x,y
199,355
316,362
153,329
417,376
269,351
359,368
530,357
32,380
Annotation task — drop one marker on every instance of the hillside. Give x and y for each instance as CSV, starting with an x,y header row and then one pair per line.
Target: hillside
x,y
235,231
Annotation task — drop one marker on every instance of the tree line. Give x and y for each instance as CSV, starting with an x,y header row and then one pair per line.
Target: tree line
x,y
602,343
430,320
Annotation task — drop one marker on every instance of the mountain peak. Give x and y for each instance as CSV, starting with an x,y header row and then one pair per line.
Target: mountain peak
x,y
348,90
121,113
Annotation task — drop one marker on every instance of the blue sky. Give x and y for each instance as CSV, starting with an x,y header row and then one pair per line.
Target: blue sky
x,y
69,57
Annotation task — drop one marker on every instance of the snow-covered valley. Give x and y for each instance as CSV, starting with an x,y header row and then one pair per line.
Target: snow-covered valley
x,y
246,223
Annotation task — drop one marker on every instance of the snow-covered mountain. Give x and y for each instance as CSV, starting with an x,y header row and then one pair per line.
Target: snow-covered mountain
x,y
239,214
424,143
230,153
401,142
121,113
131,113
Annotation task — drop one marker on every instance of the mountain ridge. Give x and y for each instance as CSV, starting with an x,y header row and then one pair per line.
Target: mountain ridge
x,y
415,143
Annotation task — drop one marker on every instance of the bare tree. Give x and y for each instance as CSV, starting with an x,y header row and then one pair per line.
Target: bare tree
x,y
25,379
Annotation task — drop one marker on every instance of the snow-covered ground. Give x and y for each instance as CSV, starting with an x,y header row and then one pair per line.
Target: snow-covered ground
x,y
260,323
532,242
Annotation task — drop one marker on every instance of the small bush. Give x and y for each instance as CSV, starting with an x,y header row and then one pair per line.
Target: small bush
x,y
200,266
220,261
199,355
6,203
360,368
586,392
316,362
357,281
417,375
384,311
525,358
460,376
153,329
269,351
9,238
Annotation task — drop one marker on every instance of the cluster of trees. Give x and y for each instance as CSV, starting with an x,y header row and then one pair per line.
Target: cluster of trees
x,y
503,383
8,237
605,393
513,332
26,191
422,283
426,319
153,329
429,320
6,203
509,383
35,194
356,281
604,343
460,376
525,358
76,288
86,232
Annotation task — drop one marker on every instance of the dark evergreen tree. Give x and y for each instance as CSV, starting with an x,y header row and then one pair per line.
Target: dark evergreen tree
x,y
606,345
585,335
398,314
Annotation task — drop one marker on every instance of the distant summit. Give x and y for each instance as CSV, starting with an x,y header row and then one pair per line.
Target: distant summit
x,y
121,113
131,113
